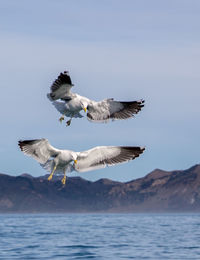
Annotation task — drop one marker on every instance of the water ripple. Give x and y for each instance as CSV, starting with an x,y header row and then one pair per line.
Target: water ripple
x,y
100,236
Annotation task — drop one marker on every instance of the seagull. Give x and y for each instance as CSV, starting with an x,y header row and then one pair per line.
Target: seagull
x,y
61,161
71,104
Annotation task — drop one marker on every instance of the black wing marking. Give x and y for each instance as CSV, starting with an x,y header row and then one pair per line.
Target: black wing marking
x,y
111,109
24,143
63,78
128,110
126,153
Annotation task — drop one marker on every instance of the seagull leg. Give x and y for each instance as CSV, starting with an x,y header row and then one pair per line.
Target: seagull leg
x,y
69,122
64,179
61,118
51,175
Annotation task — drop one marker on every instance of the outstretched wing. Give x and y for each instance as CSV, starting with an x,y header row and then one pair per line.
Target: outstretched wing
x,y
39,149
102,156
60,89
110,109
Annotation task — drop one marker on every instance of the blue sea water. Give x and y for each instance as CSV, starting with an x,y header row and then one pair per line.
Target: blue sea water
x,y
100,236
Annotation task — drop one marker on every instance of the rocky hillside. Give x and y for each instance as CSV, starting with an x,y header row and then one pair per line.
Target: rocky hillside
x,y
159,191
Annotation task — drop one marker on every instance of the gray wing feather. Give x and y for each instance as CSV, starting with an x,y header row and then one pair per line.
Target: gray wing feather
x,y
39,149
111,109
100,157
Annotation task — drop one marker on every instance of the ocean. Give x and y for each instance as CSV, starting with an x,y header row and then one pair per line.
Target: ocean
x,y
100,236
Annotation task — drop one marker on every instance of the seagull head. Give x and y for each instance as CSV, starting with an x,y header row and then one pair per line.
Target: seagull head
x,y
74,157
84,106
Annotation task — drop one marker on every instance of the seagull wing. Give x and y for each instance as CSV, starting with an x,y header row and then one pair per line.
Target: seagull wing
x,y
39,149
102,156
110,109
60,89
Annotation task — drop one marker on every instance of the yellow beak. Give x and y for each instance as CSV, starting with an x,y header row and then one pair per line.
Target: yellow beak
x,y
75,161
85,109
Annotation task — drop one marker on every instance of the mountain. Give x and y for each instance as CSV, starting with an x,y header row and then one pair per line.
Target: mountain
x,y
158,191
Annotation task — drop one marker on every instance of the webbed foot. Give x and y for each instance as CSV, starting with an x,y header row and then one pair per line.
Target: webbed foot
x,y
68,122
50,177
63,180
61,119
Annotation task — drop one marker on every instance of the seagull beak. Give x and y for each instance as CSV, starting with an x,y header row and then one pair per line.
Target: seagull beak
x,y
75,161
85,109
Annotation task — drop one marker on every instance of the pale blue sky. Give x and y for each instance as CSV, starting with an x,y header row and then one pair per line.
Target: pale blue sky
x,y
122,49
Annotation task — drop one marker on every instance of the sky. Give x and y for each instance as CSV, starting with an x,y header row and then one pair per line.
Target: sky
x,y
126,50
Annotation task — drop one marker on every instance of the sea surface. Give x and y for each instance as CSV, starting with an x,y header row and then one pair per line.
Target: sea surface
x,y
100,236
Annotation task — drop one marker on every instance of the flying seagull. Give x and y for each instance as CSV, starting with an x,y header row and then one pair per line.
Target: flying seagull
x,y
71,104
62,161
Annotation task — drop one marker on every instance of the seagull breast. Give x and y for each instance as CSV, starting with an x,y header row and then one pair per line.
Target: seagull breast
x,y
65,157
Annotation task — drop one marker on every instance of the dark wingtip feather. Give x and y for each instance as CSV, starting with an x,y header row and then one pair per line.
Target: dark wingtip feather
x,y
135,150
20,144
142,149
141,101
23,143
63,78
130,108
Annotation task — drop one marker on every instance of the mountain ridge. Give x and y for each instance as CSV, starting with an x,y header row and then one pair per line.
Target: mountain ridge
x,y
158,191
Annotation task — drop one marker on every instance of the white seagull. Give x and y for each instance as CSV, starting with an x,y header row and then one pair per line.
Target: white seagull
x,y
62,161
71,103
